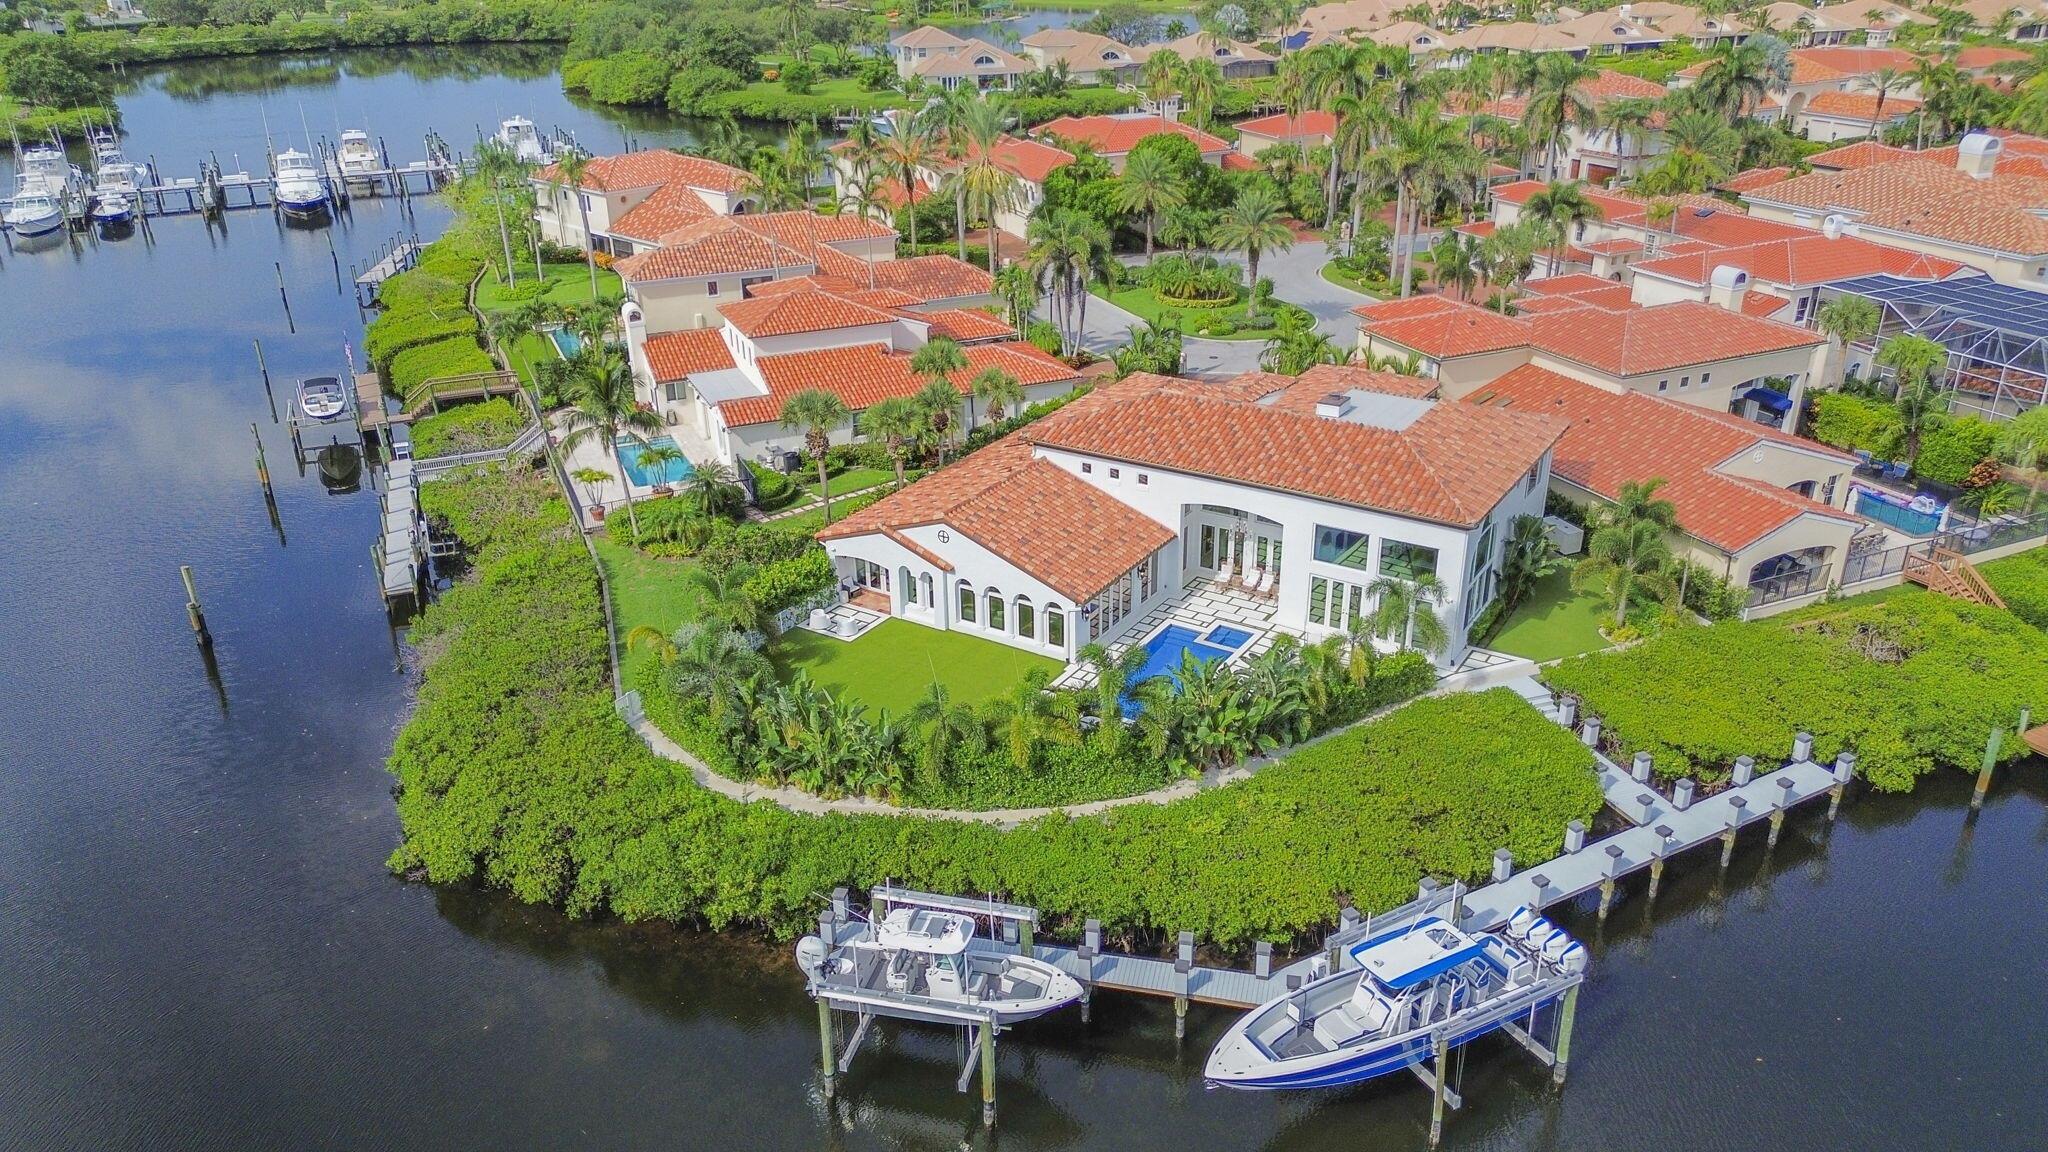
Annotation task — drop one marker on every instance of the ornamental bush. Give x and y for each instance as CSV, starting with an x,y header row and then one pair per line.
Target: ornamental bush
x,y
786,583
2022,582
454,356
394,332
1911,683
480,427
1949,449
1850,422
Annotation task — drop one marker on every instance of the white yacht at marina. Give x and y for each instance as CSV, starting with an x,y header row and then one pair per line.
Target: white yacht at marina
x,y
919,963
116,180
358,158
300,189
33,210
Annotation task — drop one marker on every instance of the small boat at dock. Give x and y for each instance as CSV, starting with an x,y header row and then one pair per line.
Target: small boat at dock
x,y
920,963
1404,989
34,210
527,144
300,190
358,158
321,398
111,208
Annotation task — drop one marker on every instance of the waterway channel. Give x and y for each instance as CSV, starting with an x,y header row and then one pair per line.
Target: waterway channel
x,y
200,946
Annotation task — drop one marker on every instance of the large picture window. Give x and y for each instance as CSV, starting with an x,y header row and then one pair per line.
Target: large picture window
x,y
995,610
1337,546
1026,626
966,604
1398,558
1055,626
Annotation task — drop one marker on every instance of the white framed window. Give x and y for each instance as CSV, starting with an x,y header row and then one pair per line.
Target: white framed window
x,y
1663,385
711,287
1087,468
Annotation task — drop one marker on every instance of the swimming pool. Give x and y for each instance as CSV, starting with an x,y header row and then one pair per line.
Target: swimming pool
x,y
566,342
672,472
1918,517
1164,650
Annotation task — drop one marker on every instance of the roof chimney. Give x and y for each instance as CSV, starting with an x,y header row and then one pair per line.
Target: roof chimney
x,y
1728,287
1977,155
1332,406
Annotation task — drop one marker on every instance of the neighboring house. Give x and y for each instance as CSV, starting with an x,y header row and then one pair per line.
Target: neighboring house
x,y
1599,155
685,276
1787,275
1996,336
1832,116
2028,19
1629,228
1113,136
1350,17
1969,210
1307,130
974,64
1090,59
1760,508
1028,162
614,189
1710,355
921,44
1418,39
1072,529
1877,20
1237,59
728,383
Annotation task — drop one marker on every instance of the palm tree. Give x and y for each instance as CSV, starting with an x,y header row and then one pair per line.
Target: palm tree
x,y
1630,119
817,412
1148,187
1067,249
1406,608
725,141
720,593
1622,557
1886,81
1528,558
944,727
1201,82
1848,319
1914,361
985,183
706,663
1296,346
998,391
714,490
569,173
1454,262
656,458
1561,205
1701,150
938,413
1030,717
590,478
508,328
1159,75
1637,502
1255,222
496,165
907,151
894,421
1113,678
1426,154
1014,287
602,407
1558,101
1736,79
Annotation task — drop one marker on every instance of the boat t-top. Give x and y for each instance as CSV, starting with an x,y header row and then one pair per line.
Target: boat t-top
x,y
33,211
525,141
922,964
358,156
1403,988
321,398
48,164
115,178
299,188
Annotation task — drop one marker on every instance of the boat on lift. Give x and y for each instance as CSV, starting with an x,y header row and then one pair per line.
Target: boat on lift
x,y
35,210
358,158
321,398
1403,988
920,963
300,190
527,144
48,164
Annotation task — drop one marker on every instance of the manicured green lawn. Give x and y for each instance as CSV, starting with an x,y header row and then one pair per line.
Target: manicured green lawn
x,y
1142,303
645,590
855,479
567,284
889,667
1554,622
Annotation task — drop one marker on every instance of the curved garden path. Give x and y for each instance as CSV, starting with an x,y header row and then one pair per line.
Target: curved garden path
x,y
797,800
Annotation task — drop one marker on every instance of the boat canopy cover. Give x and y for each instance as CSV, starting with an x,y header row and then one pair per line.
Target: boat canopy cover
x,y
925,930
1425,952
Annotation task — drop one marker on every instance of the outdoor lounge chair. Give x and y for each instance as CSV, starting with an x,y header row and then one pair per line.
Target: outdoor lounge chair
x,y
1223,574
1264,581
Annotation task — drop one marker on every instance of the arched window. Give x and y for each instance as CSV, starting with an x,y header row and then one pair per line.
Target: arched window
x,y
1027,626
1055,626
966,602
924,588
995,611
905,587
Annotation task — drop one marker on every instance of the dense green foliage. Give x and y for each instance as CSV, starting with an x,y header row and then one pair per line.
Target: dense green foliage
x,y
52,71
1910,683
1850,421
424,305
2022,582
1950,448
479,427
400,329
198,28
514,770
454,356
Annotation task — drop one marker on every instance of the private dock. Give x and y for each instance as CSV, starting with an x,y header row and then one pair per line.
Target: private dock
x,y
1659,827
399,256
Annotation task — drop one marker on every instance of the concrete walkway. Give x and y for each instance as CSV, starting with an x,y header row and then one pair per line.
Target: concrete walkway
x,y
798,800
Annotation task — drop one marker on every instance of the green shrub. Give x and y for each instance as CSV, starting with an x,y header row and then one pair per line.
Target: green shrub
x,y
691,87
1882,679
2022,582
1044,335
772,490
493,423
1031,110
455,356
1950,448
631,77
395,331
1850,422
786,583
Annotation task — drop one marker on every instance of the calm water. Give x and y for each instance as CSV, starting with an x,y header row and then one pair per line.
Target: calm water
x,y
200,948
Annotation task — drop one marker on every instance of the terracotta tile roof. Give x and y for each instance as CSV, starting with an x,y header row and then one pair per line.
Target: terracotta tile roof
x,y
1400,308
1057,528
788,313
1714,222
714,246
1755,178
1612,203
918,550
966,325
1668,336
1861,154
1618,246
1118,133
934,278
674,355
1541,305
665,210
804,230
1917,197
927,36
1479,228
1981,56
1755,303
1615,438
1859,106
1301,393
910,283
1029,159
865,373
1238,162
1461,330
1207,45
655,166
1281,126
1851,60
1444,467
1803,261
967,61
1331,377
1569,284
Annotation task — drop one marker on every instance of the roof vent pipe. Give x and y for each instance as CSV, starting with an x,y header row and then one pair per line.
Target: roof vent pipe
x,y
1728,287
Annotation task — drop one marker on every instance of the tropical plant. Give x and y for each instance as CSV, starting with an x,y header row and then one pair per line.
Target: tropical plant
x,y
1296,345
1029,718
1915,362
1254,223
938,413
569,172
998,391
1527,559
603,408
1560,206
895,422
945,728
1625,557
1557,101
817,411
1067,249
713,490
1404,610
707,662
1848,319
1149,187
590,478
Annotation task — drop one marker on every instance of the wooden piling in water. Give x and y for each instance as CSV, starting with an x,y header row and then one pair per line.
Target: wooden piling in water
x,y
1984,774
1563,1048
825,1043
193,612
1440,1048
988,1074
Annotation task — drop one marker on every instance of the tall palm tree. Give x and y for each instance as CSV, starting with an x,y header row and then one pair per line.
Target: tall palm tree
x,y
1013,285
1700,150
603,407
1454,263
938,413
569,173
945,727
1916,363
1406,609
1428,154
1624,557
988,186
1149,186
909,150
1201,83
1557,102
1885,81
1561,205
937,362
893,421
1736,79
528,318
725,141
817,412
1254,223
498,167
1630,120
998,392
1068,248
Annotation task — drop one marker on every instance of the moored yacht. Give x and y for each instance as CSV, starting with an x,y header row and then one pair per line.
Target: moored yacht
x,y
525,141
321,398
34,210
358,157
300,190
1405,987
918,963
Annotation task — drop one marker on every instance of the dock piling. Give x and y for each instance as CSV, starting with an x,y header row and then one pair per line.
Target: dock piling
x,y
1778,805
1262,959
1845,771
265,370
1440,1047
1563,1047
1639,768
1681,794
193,612
988,1074
1503,865
1091,946
1607,881
289,324
1984,774
1735,806
1664,836
1589,735
830,1065
1574,836
1745,770
1183,966
1802,747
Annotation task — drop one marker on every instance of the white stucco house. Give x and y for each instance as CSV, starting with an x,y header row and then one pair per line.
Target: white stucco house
x,y
1294,492
633,198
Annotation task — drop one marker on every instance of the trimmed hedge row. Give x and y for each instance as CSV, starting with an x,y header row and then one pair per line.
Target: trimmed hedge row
x,y
1911,684
493,423
424,304
394,332
514,770
2022,582
454,356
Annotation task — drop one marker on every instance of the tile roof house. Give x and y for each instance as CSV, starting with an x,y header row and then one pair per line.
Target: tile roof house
x,y
1307,130
1077,527
1089,58
1597,155
632,197
974,64
1113,136
1792,271
1029,162
1238,59
1755,505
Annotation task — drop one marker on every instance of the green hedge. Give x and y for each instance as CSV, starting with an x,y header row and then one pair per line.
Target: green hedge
x,y
1850,422
1911,683
515,771
455,356
480,427
1950,448
2022,582
394,332
772,490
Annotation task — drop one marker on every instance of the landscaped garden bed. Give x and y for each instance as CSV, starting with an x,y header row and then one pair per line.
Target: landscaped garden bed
x,y
478,427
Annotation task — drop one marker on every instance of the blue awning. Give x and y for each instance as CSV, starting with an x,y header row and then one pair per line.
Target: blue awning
x,y
1770,398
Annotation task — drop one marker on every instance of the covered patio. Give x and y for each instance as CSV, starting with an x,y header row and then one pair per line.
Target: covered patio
x,y
1202,604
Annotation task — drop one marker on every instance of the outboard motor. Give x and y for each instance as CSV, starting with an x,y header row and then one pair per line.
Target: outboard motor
x,y
810,956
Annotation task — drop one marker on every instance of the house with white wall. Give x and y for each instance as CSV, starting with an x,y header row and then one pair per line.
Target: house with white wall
x,y
632,197
1089,58
1113,136
1072,529
683,277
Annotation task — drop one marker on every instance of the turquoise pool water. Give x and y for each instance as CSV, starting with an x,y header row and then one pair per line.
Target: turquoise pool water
x,y
671,473
566,342
1163,654
1896,513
